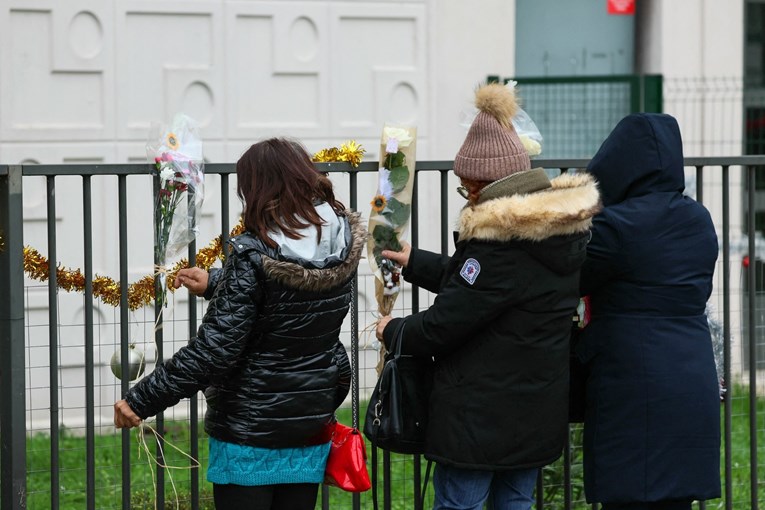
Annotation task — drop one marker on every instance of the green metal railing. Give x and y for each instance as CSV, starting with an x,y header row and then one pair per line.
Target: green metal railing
x,y
576,113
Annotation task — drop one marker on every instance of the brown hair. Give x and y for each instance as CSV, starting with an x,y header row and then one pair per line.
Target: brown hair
x,y
278,185
474,188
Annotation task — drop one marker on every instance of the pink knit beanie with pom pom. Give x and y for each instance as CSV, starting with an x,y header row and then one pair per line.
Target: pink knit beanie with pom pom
x,y
492,149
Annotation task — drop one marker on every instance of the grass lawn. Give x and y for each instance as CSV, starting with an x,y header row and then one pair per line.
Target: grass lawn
x,y
108,470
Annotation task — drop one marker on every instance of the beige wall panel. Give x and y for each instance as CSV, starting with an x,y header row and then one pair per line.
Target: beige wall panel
x,y
58,74
277,69
380,67
169,59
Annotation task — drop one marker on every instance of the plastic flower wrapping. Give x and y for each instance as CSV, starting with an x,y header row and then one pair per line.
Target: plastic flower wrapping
x,y
717,333
176,153
391,210
527,130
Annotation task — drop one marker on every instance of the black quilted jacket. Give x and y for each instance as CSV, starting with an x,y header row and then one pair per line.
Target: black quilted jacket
x,y
268,354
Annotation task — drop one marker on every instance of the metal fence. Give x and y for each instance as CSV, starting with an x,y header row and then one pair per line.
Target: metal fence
x,y
49,459
576,113
719,115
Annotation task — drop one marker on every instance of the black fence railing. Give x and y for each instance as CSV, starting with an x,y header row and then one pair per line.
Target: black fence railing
x,y
58,448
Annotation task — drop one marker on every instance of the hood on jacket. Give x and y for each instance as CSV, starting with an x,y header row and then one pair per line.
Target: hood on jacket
x,y
643,154
553,224
317,275
567,207
310,246
320,274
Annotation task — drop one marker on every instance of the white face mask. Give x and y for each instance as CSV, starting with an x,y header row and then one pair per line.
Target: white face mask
x,y
463,191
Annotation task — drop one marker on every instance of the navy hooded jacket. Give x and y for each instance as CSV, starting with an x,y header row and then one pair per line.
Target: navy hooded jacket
x,y
652,424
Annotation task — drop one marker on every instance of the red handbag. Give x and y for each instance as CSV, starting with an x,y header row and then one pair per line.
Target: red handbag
x,y
347,462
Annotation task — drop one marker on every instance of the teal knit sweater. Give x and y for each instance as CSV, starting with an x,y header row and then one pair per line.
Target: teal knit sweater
x,y
248,465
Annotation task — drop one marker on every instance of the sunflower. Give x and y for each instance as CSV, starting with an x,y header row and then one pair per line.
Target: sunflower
x,y
378,203
172,141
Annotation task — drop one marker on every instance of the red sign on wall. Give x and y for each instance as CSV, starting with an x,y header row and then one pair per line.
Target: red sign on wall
x,y
621,6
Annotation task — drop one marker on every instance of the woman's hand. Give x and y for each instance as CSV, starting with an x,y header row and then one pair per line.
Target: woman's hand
x,y
124,417
193,278
399,257
384,320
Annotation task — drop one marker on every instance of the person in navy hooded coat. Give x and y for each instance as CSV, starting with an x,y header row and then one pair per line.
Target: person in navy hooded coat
x,y
652,418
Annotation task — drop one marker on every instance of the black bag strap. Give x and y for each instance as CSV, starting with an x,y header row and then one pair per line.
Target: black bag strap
x,y
354,352
398,339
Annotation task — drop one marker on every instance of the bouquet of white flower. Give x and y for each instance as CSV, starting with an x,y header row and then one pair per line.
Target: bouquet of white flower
x,y
391,210
177,156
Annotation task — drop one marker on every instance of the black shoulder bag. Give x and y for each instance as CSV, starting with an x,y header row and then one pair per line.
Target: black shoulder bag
x,y
397,416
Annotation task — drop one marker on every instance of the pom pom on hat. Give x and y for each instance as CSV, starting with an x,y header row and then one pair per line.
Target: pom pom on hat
x,y
492,149
498,101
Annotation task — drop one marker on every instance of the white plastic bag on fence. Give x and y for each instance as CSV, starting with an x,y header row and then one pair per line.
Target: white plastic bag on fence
x,y
527,130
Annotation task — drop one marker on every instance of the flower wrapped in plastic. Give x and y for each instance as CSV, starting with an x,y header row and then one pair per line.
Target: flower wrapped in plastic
x,y
176,153
527,130
717,332
391,210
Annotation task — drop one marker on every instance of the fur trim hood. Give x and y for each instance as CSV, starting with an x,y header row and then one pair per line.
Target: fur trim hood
x,y
565,208
297,276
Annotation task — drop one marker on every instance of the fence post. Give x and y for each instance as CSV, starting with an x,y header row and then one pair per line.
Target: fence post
x,y
13,493
653,93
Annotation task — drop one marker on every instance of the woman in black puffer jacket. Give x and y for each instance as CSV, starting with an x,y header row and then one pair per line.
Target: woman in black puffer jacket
x,y
268,355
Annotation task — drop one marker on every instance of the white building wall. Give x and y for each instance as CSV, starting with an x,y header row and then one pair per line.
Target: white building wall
x,y
82,80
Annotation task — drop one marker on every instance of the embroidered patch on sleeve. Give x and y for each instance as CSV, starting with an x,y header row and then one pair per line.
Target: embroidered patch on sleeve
x,y
470,270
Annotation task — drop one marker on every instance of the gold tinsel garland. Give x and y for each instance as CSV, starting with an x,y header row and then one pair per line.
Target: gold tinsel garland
x,y
350,152
140,293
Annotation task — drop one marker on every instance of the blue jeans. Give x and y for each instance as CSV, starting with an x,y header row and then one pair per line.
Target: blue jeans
x,y
467,489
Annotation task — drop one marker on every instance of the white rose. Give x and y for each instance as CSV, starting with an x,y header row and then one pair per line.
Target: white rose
x,y
400,134
533,147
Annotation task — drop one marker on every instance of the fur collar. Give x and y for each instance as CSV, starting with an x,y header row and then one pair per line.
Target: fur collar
x,y
298,277
565,208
